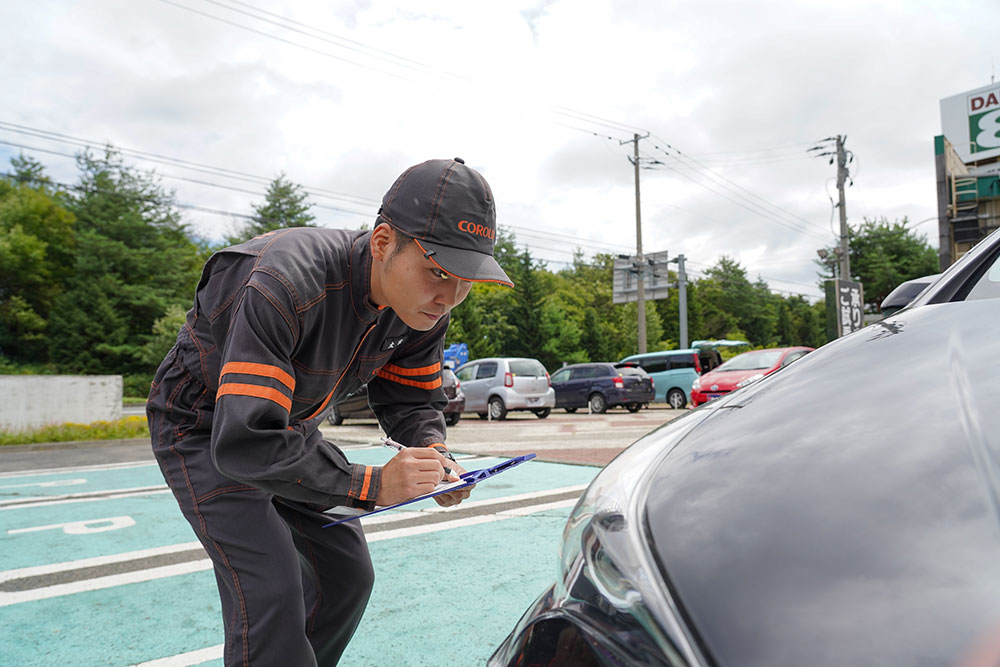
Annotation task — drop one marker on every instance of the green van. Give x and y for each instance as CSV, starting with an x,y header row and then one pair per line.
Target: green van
x,y
674,371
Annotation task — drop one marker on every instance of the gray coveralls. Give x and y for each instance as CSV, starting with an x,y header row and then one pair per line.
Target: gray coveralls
x,y
282,329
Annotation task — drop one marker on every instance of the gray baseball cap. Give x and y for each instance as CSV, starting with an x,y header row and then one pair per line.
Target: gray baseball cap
x,y
448,209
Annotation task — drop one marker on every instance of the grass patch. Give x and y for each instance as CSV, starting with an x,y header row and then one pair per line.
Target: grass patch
x,y
133,400
127,427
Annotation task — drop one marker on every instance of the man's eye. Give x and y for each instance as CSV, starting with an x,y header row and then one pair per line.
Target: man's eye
x,y
438,273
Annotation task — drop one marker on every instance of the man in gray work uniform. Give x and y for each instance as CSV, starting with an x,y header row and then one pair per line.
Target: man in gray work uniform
x,y
284,327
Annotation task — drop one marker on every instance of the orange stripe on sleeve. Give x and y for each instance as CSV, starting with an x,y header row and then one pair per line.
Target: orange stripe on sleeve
x,y
256,391
261,370
433,384
364,487
426,370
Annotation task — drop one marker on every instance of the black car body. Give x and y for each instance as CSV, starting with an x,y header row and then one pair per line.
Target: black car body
x,y
599,386
356,406
844,510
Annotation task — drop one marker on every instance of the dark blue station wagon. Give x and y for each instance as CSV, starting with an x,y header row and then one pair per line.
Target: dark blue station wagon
x,y
602,385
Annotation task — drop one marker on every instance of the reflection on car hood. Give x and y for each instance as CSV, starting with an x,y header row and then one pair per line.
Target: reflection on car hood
x,y
845,510
728,379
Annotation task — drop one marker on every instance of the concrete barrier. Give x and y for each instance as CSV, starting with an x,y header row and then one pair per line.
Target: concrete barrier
x,y
32,401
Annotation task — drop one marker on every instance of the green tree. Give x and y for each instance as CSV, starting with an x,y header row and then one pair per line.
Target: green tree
x,y
285,205
481,321
883,254
526,308
134,260
36,255
800,323
29,171
164,335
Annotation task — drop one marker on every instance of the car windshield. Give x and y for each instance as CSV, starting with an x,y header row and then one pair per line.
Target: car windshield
x,y
988,287
752,361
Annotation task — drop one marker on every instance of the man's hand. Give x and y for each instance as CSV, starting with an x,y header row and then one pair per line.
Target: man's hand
x,y
413,472
458,495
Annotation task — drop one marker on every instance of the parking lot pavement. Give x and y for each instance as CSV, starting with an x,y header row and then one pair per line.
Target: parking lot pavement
x,y
98,567
561,437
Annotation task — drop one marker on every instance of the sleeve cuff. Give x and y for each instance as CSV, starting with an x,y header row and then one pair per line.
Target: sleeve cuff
x,y
442,449
365,484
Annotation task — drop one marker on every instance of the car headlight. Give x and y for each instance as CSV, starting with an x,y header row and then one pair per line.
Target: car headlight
x,y
750,380
605,562
696,385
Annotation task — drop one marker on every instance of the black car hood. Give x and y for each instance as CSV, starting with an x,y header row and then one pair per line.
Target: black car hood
x,y
845,510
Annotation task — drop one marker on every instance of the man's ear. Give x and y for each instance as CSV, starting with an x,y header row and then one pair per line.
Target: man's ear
x,y
383,236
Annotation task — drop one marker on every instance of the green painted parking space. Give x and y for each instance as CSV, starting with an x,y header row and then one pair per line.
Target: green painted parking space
x,y
448,597
444,594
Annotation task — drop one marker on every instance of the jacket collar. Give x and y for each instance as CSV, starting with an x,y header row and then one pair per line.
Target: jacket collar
x,y
361,279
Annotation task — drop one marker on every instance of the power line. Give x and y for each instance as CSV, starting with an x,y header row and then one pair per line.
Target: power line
x,y
339,40
772,149
177,162
772,214
407,64
749,205
194,180
791,217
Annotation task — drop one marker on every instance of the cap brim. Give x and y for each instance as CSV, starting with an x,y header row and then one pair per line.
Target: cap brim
x,y
465,264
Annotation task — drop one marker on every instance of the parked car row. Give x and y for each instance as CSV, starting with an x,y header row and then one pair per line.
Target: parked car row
x,y
494,386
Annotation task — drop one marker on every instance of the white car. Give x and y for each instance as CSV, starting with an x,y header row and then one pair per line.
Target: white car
x,y
496,385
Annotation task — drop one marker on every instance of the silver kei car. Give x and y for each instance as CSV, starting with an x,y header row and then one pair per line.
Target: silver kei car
x,y
496,385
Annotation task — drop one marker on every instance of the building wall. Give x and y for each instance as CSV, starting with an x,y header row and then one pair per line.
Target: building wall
x,y
31,401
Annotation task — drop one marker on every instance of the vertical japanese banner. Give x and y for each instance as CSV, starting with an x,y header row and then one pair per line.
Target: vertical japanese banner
x,y
845,312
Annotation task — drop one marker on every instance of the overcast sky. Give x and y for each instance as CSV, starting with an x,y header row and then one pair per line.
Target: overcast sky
x,y
538,96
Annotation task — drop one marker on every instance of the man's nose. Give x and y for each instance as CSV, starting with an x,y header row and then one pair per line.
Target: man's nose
x,y
450,293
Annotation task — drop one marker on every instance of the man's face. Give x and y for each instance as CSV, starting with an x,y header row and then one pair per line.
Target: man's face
x,y
416,289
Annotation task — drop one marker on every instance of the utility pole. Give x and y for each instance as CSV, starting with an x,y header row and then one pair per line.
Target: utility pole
x,y
682,298
640,262
845,260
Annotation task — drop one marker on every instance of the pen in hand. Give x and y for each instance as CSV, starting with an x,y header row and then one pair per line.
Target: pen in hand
x,y
392,444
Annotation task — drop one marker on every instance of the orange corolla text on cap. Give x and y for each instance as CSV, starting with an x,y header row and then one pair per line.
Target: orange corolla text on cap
x,y
472,228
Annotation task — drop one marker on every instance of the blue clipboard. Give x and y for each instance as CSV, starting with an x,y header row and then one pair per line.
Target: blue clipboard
x,y
467,479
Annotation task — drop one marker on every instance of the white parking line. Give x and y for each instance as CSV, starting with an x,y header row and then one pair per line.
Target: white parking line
x,y
66,566
41,501
128,493
59,471
187,659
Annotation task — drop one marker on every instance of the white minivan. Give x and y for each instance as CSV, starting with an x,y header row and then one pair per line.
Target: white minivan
x,y
496,385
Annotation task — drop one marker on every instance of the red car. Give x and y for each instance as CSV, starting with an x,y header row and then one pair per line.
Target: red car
x,y
741,370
